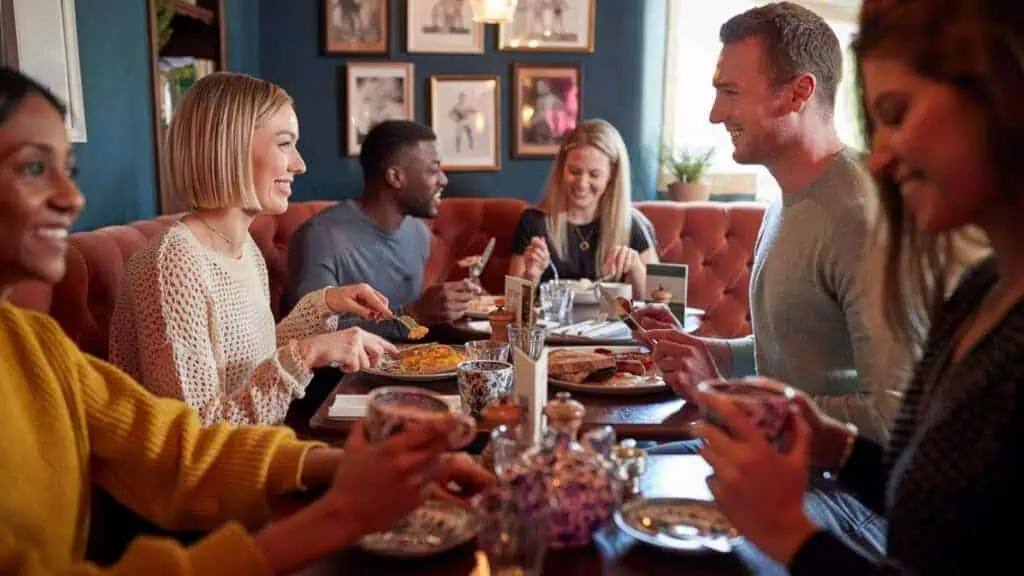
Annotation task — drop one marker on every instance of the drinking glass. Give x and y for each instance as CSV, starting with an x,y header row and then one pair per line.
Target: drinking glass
x,y
514,539
529,340
487,350
556,301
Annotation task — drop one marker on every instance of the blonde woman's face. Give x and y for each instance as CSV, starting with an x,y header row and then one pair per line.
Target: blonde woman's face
x,y
585,177
930,141
276,160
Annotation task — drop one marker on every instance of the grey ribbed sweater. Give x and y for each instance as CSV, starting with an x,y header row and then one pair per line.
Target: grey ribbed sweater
x,y
815,325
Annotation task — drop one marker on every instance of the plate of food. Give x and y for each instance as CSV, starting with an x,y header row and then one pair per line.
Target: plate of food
x,y
681,525
483,305
420,363
433,528
608,370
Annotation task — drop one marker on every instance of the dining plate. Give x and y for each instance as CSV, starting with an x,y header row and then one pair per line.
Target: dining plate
x,y
619,385
433,528
482,306
681,525
390,368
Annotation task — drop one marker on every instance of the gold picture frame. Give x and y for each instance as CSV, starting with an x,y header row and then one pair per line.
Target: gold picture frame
x,y
433,28
352,27
375,91
547,103
550,26
465,112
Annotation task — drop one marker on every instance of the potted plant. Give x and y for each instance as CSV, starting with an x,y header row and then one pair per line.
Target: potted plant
x,y
686,169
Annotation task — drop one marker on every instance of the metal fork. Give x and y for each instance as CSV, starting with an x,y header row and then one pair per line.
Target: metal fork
x,y
410,324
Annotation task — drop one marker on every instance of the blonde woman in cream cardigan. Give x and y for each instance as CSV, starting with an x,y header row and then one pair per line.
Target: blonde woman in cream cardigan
x,y
585,227
69,421
193,320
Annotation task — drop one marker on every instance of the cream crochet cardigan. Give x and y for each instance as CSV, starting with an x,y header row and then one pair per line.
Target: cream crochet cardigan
x,y
196,325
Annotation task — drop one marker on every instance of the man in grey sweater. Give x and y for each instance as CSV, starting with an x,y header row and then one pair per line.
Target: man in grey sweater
x,y
815,325
380,238
812,312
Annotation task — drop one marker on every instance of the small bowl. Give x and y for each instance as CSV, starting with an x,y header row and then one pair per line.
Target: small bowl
x,y
764,401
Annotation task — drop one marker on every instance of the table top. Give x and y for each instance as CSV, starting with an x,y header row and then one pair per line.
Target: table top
x,y
613,553
661,416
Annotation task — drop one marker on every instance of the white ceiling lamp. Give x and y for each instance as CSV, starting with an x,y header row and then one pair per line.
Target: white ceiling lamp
x,y
493,11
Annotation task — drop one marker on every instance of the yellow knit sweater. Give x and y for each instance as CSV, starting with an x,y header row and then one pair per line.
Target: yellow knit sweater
x,y
68,420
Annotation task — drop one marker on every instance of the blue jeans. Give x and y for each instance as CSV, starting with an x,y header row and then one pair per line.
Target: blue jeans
x,y
826,504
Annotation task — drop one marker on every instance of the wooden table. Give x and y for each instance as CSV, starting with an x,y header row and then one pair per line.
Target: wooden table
x,y
613,554
662,416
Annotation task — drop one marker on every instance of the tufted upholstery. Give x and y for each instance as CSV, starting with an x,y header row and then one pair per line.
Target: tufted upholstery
x,y
715,240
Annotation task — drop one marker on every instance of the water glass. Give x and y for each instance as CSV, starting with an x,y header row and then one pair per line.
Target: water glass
x,y
529,340
487,350
514,540
556,301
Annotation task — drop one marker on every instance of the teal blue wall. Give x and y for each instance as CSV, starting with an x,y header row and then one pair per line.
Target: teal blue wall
x,y
281,40
117,172
622,83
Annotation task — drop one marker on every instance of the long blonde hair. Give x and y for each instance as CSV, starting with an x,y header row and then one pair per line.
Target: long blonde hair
x,y
209,142
972,46
614,207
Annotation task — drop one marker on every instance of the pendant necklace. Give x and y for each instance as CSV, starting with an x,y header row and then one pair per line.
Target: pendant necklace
x,y
584,241
217,232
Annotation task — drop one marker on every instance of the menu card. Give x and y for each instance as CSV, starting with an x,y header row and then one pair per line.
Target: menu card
x,y
531,388
519,299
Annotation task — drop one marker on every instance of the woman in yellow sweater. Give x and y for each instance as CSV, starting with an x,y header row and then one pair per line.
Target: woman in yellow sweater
x,y
68,420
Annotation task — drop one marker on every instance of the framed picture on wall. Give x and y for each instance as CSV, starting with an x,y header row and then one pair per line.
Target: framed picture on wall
x,y
546,104
443,26
376,91
550,26
356,26
464,114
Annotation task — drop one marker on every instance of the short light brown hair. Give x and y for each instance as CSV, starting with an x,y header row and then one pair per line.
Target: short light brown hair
x,y
795,41
209,142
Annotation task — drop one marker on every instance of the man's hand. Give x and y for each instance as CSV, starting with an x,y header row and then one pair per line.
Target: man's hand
x,y
443,303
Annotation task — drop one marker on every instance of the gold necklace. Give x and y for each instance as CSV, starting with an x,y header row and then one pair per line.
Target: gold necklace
x,y
584,242
215,231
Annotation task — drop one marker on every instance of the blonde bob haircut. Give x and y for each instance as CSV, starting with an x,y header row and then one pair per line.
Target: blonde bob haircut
x,y
209,142
614,207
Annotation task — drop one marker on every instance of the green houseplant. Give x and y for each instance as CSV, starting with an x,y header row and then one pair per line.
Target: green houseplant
x,y
686,170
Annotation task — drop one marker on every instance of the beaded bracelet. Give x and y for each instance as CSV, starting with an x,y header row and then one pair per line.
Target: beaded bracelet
x,y
851,439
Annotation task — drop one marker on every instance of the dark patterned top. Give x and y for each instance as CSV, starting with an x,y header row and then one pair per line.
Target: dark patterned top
x,y
950,481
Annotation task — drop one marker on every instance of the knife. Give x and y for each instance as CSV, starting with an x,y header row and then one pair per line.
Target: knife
x,y
478,268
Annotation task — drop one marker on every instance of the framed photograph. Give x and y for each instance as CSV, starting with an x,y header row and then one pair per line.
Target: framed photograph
x,y
550,26
356,26
377,91
40,38
443,26
464,113
546,105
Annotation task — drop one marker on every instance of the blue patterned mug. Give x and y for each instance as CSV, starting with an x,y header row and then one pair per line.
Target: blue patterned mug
x,y
390,409
482,382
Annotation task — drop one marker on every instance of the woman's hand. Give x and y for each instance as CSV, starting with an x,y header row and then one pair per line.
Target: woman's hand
x,y
459,478
623,261
358,299
376,485
536,258
760,489
351,350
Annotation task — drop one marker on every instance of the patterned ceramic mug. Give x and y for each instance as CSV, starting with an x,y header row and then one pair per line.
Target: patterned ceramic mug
x,y
764,401
482,382
390,408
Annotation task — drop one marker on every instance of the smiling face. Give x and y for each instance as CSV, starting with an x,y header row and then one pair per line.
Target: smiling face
x,y
747,103
929,141
585,177
421,179
276,160
38,199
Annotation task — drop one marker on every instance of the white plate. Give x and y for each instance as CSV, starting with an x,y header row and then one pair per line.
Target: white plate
x,y
433,528
649,386
413,377
681,525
